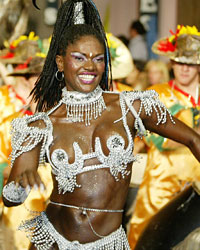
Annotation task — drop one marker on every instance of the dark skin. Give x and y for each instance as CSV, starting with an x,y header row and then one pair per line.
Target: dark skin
x,y
98,188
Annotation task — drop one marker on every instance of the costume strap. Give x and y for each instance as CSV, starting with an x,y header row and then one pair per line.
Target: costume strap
x,y
149,102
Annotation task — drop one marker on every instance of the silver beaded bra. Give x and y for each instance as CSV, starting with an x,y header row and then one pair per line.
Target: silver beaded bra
x,y
117,159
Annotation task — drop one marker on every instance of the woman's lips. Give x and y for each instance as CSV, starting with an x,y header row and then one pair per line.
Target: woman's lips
x,y
87,78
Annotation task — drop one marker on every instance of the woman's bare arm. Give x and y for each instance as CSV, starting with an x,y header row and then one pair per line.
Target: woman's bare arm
x,y
26,154
24,174
177,131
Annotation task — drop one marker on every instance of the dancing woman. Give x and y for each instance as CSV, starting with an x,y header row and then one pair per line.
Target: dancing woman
x,y
86,134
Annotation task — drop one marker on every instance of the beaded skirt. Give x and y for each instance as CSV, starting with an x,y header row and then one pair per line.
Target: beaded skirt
x,y
43,235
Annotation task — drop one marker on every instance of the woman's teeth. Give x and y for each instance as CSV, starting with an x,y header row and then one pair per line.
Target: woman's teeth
x,y
86,77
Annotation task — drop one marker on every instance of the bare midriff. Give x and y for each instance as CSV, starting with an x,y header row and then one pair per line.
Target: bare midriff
x,y
99,190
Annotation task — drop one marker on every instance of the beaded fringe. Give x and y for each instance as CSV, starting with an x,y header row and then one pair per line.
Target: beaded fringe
x,y
43,235
25,138
85,112
150,102
83,107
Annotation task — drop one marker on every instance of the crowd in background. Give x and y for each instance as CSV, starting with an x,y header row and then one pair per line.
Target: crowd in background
x,y
146,71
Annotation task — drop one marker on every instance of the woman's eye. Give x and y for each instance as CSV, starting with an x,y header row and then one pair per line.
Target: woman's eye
x,y
98,59
79,58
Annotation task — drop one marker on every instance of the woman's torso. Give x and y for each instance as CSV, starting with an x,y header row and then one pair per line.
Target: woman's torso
x,y
99,189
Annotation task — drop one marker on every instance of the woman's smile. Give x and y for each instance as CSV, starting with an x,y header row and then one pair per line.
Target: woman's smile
x,y
83,64
87,77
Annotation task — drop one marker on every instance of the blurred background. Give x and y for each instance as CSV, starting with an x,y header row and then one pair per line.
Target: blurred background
x,y
158,16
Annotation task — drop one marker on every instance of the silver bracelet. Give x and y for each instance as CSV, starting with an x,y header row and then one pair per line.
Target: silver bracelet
x,y
15,194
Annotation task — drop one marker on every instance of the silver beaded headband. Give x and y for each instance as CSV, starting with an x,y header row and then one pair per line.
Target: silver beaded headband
x,y
78,13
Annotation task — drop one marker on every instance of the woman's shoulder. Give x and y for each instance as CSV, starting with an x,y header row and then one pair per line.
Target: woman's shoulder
x,y
36,122
131,96
136,94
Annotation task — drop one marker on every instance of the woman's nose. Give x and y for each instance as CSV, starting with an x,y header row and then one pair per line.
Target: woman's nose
x,y
89,64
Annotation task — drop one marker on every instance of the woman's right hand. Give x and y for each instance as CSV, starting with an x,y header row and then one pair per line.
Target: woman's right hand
x,y
30,179
16,191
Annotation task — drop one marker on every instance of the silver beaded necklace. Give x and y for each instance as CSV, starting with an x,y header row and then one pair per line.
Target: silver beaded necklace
x,y
83,106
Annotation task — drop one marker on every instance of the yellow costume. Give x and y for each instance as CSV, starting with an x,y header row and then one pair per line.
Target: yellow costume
x,y
10,102
36,201
119,87
169,166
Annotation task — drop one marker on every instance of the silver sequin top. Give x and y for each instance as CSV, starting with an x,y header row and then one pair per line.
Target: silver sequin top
x,y
117,159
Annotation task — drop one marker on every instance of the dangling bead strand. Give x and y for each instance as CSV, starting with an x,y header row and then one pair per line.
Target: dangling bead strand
x,y
83,106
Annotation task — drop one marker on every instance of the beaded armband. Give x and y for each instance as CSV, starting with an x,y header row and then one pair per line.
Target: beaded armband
x,y
149,101
25,137
15,194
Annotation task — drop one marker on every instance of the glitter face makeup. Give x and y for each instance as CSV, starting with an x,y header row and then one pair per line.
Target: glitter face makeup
x,y
79,57
83,64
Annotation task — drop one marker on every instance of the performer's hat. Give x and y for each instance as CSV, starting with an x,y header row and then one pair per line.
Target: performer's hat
x,y
121,59
183,46
31,67
22,49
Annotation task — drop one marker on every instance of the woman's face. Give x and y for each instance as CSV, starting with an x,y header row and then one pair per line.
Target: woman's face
x,y
83,64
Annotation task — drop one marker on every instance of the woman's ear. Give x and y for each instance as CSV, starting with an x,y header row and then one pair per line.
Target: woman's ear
x,y
59,62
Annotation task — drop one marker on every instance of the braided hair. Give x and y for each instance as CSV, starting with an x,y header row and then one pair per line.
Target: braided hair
x,y
48,90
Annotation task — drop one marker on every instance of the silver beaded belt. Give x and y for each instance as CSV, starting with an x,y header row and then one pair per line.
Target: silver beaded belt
x,y
43,235
88,209
84,211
